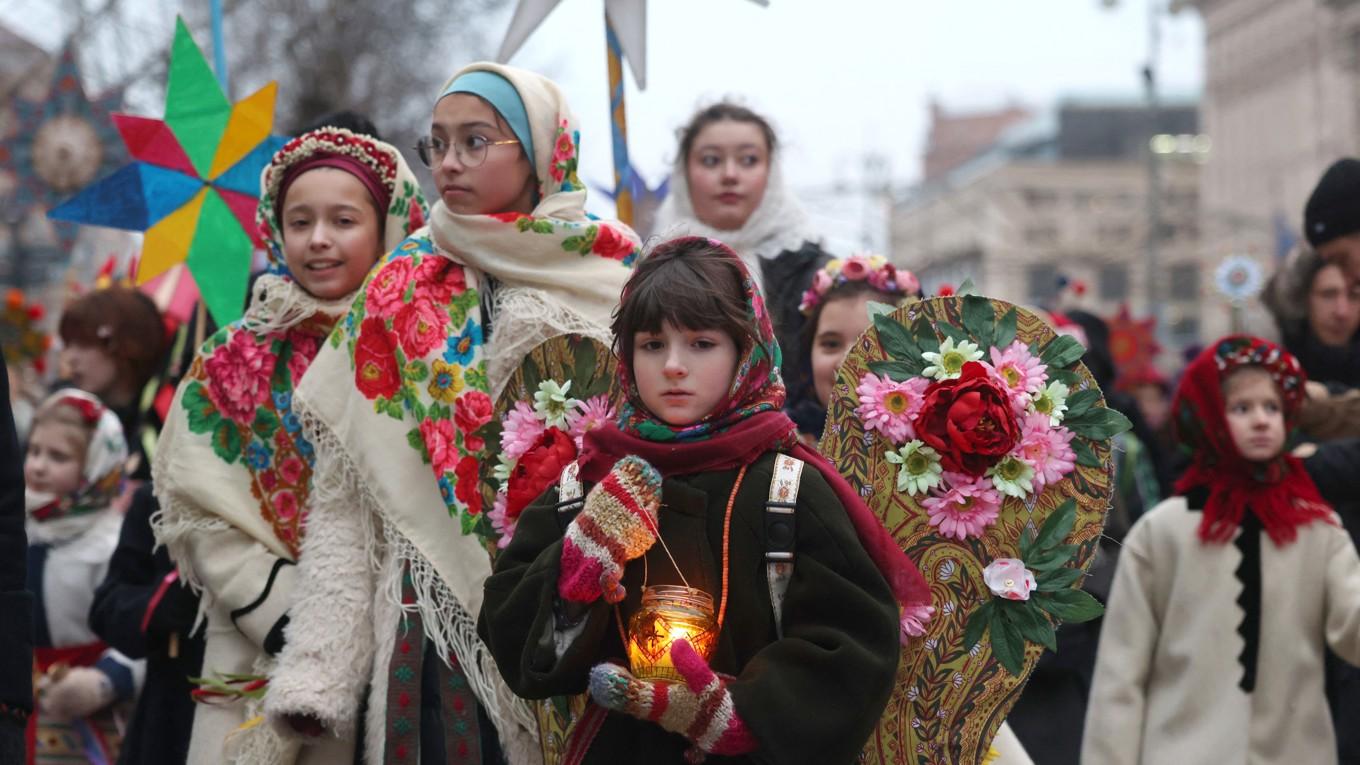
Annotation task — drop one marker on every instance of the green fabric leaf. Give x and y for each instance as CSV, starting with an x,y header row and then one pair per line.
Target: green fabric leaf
x,y
879,309
967,288
1057,526
1086,456
1032,624
1098,424
898,371
1006,328
1070,605
203,414
583,372
1081,402
977,624
1062,351
562,706
953,332
1048,560
1058,579
226,441
1066,376
895,338
979,319
926,339
1007,644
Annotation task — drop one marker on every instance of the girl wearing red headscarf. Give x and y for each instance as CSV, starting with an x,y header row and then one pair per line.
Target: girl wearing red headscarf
x,y
1228,593
690,464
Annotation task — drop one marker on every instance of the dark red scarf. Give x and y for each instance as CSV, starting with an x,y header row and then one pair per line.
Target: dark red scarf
x,y
1280,492
750,423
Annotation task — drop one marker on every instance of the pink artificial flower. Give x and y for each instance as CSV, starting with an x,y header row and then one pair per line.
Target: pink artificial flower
x,y
821,282
238,373
965,508
884,279
590,414
520,430
1020,373
420,327
914,620
305,347
1047,449
908,283
439,442
889,406
1008,578
385,292
856,268
505,527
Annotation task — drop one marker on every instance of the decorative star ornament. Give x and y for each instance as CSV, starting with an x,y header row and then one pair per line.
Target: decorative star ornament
x,y
194,184
1133,342
60,144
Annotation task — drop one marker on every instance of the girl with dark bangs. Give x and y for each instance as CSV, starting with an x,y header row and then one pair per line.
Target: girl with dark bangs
x,y
680,492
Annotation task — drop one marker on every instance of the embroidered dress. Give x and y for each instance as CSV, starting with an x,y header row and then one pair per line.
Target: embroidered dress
x,y
390,404
233,471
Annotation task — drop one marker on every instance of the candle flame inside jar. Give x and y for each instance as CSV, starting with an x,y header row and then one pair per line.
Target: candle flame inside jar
x,y
669,613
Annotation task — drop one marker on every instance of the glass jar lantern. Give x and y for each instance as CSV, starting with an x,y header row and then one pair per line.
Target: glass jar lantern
x,y
669,613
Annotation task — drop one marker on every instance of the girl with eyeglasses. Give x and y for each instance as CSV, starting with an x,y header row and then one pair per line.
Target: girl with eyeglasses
x,y
391,571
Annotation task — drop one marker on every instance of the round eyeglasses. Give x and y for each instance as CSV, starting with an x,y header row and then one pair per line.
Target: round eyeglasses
x,y
471,151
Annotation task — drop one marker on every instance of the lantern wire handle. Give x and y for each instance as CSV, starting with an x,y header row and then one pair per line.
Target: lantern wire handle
x,y
656,529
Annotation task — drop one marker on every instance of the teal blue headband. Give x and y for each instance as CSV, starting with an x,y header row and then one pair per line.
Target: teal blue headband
x,y
497,91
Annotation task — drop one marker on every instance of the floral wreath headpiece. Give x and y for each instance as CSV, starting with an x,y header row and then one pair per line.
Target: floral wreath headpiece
x,y
860,267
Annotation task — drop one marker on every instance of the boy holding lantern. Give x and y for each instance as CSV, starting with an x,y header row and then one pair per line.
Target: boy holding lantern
x,y
682,492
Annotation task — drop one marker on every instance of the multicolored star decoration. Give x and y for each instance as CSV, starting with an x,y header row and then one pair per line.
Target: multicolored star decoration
x,y
60,144
194,184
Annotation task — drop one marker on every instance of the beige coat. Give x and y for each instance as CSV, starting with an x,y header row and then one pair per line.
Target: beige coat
x,y
1166,682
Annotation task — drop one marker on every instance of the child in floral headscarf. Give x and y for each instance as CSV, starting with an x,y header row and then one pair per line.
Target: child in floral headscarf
x,y
802,678
1226,594
73,472
233,470
391,573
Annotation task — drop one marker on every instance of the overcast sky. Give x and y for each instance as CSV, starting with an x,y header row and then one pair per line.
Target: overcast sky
x,y
839,79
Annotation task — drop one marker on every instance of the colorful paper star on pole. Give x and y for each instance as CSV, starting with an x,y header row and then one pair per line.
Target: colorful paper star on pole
x,y
194,184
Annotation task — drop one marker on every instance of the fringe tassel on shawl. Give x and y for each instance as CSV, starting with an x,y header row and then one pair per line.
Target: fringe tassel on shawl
x,y
523,318
447,624
277,304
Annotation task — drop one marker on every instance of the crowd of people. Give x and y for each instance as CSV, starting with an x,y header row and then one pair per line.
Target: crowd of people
x,y
249,544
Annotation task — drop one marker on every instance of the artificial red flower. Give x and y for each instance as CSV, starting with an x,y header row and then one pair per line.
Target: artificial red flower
x,y
968,420
537,469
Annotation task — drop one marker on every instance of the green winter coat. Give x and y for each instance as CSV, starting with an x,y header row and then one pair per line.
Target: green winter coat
x,y
812,697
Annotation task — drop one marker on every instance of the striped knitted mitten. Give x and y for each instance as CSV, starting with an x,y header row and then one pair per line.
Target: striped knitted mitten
x,y
701,710
615,526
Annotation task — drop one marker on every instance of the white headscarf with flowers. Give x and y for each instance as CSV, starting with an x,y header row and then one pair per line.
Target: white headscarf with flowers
x,y
53,518
232,452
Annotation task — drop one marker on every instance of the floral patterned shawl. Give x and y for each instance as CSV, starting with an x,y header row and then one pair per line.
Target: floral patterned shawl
x,y
232,451
106,458
408,375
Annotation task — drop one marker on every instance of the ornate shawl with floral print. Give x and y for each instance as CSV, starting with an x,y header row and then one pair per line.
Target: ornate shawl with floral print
x,y
232,451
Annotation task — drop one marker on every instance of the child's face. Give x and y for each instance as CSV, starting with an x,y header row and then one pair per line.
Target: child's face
x,y
55,459
330,232
503,182
728,169
682,374
840,323
91,368
1255,414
